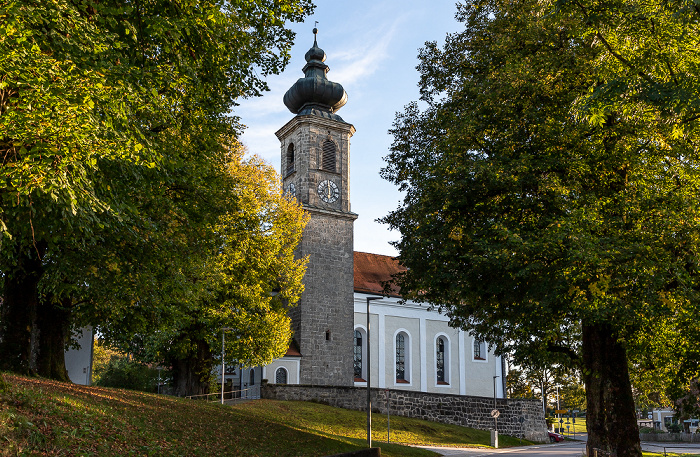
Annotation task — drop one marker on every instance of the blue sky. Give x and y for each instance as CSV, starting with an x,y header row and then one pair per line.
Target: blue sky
x,y
371,49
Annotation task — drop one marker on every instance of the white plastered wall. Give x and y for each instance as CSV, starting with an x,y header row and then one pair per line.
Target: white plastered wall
x,y
466,375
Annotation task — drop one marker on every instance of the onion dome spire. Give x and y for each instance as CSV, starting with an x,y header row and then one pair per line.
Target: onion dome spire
x,y
314,93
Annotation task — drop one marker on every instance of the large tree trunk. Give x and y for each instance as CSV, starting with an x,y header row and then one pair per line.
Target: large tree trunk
x,y
610,417
18,312
53,325
191,374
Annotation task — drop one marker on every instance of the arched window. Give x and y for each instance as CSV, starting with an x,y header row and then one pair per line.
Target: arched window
x,y
252,377
281,376
440,360
328,158
357,355
402,358
479,350
290,158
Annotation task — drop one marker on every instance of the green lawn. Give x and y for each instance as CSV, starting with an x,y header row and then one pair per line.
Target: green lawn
x,y
40,417
580,425
668,454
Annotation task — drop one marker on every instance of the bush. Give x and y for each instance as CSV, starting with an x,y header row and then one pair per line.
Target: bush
x,y
674,428
128,374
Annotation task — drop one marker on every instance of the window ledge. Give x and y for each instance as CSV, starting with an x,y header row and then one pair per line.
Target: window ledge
x,y
360,380
402,381
443,383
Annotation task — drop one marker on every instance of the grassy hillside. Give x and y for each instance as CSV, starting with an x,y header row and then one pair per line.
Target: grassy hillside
x,y
40,417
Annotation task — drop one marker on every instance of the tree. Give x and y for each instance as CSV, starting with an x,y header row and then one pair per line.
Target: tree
x,y
517,385
99,103
551,190
241,275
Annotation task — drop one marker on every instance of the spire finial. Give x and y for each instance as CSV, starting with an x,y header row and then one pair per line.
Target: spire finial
x,y
315,31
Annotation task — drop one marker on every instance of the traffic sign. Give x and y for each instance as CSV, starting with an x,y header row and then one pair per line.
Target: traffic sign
x,y
495,413
562,411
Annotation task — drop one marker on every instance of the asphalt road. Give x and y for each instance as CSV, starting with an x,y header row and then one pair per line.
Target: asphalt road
x,y
564,449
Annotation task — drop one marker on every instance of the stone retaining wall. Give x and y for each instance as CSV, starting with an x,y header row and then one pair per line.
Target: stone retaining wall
x,y
468,411
671,437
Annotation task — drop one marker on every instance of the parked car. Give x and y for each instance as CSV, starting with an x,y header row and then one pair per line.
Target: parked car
x,y
555,437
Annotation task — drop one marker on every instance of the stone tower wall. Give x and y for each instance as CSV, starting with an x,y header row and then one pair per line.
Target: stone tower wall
x,y
325,317
323,320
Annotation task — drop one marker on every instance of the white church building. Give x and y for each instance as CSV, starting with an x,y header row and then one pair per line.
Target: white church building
x,y
410,346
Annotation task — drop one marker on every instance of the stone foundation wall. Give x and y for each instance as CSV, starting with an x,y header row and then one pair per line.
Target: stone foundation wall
x,y
468,411
671,437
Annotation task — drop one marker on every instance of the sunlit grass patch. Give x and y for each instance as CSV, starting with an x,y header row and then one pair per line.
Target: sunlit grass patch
x,y
668,454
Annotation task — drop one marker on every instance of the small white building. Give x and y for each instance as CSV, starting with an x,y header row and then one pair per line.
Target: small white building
x,y
79,359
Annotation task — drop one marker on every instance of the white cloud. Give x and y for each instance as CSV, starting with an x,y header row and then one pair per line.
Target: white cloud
x,y
365,56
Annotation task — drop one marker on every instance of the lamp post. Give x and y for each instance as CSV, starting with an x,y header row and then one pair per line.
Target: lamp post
x,y
159,379
223,363
494,399
495,413
369,371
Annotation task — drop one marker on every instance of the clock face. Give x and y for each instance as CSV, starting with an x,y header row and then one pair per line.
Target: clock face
x,y
328,191
291,190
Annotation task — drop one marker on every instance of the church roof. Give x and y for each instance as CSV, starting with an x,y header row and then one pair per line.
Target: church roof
x,y
293,349
373,271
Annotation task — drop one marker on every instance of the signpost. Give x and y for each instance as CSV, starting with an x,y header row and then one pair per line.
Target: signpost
x,y
521,420
494,433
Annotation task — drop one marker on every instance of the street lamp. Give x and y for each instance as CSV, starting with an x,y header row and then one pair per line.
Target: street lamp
x,y
495,413
223,363
369,370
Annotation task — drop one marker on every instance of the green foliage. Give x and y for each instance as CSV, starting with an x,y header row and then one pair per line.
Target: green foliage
x,y
101,356
236,269
517,385
125,373
675,428
551,186
573,395
114,137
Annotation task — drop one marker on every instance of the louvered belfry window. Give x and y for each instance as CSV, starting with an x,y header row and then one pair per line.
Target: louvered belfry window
x,y
328,158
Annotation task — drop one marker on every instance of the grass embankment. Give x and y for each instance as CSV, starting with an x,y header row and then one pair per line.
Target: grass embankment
x,y
40,417
668,454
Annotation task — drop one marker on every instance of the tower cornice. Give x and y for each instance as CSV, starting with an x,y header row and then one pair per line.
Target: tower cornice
x,y
330,212
316,120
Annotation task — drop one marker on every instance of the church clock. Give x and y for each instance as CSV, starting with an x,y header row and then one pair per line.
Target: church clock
x,y
291,189
328,191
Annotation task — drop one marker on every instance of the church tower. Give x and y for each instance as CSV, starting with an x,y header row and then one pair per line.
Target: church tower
x,y
315,146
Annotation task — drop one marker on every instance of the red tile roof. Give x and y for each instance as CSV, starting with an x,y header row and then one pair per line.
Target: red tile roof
x,y
293,350
373,270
